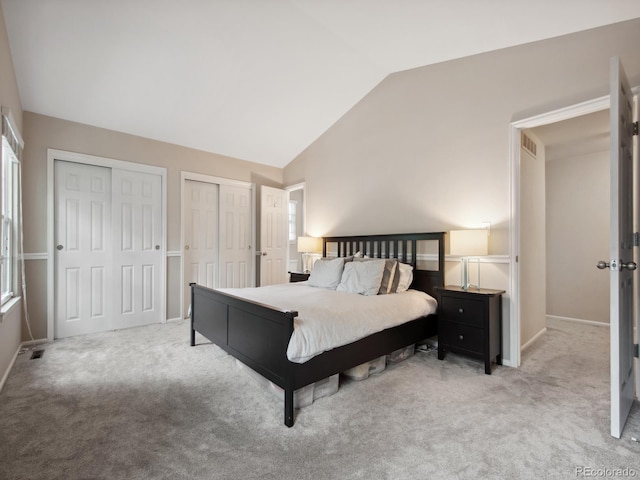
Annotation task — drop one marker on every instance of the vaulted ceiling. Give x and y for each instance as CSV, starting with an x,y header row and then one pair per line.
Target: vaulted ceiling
x,y
258,80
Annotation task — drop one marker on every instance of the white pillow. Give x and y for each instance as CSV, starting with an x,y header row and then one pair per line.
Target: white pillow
x,y
404,277
362,277
388,275
326,273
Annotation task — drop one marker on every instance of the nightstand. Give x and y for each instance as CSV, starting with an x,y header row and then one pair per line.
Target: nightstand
x,y
470,322
298,277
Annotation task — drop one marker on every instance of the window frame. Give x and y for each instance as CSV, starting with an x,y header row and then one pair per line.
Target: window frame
x,y
9,185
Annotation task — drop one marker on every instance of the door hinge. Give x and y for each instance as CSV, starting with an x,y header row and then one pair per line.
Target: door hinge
x,y
635,350
635,128
636,239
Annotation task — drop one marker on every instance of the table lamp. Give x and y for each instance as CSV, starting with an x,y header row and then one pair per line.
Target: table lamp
x,y
467,244
309,247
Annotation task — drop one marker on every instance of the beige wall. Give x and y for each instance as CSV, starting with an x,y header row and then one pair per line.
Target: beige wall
x,y
10,329
42,132
428,149
578,236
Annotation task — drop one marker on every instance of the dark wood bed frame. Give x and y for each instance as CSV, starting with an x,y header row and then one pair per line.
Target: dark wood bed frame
x,y
258,334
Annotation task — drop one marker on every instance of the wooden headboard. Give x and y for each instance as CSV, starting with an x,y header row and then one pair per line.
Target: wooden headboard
x,y
402,246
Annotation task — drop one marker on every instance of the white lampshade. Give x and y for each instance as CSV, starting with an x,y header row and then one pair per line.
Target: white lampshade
x,y
469,243
309,245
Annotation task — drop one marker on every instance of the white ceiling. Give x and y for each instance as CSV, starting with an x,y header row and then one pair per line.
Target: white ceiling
x,y
258,80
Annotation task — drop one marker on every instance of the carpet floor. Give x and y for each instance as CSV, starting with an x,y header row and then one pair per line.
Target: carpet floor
x,y
143,404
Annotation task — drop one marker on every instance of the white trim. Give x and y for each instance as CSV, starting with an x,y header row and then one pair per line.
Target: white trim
x,y
36,256
534,339
52,156
32,343
579,320
174,253
6,111
565,113
200,177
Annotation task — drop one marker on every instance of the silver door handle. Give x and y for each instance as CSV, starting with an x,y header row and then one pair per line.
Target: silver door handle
x,y
59,247
629,265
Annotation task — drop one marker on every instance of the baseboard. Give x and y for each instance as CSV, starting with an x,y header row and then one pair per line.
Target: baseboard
x,y
578,320
533,339
6,374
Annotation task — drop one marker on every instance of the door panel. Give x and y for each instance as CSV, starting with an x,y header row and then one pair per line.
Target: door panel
x,y
82,256
137,253
621,250
273,236
235,237
201,236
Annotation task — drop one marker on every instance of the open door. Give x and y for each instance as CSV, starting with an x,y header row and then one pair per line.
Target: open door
x,y
621,264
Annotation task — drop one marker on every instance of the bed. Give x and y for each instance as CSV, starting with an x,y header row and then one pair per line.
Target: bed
x,y
258,334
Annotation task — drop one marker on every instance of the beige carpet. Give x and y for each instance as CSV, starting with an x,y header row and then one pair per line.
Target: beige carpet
x,y
142,404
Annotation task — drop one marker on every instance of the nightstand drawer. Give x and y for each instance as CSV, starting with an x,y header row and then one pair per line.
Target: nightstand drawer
x,y
465,337
463,310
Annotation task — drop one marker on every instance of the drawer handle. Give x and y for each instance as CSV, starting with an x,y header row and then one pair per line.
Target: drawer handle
x,y
461,337
461,310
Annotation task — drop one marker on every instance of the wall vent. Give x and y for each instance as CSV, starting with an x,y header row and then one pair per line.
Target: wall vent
x,y
529,145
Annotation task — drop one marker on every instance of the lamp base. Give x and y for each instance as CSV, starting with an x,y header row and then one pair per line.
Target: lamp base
x,y
464,273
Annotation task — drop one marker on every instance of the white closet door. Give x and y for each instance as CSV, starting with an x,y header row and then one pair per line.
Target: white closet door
x,y
235,236
137,248
83,243
201,236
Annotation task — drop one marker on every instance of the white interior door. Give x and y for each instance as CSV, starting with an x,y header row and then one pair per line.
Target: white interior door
x,y
235,237
621,251
83,244
137,248
200,236
274,229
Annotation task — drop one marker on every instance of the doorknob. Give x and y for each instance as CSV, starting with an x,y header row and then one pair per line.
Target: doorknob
x,y
629,265
59,247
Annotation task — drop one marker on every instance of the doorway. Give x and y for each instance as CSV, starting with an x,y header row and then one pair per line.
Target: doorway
x,y
521,277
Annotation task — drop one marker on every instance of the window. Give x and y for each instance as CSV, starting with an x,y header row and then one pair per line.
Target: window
x,y
293,231
8,252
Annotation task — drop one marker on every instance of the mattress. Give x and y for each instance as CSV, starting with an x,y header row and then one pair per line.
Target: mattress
x,y
328,318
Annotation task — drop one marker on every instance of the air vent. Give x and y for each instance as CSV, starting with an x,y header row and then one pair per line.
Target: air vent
x,y
37,354
529,145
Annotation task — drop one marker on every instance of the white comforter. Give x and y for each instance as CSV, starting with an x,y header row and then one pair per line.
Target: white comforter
x,y
328,319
